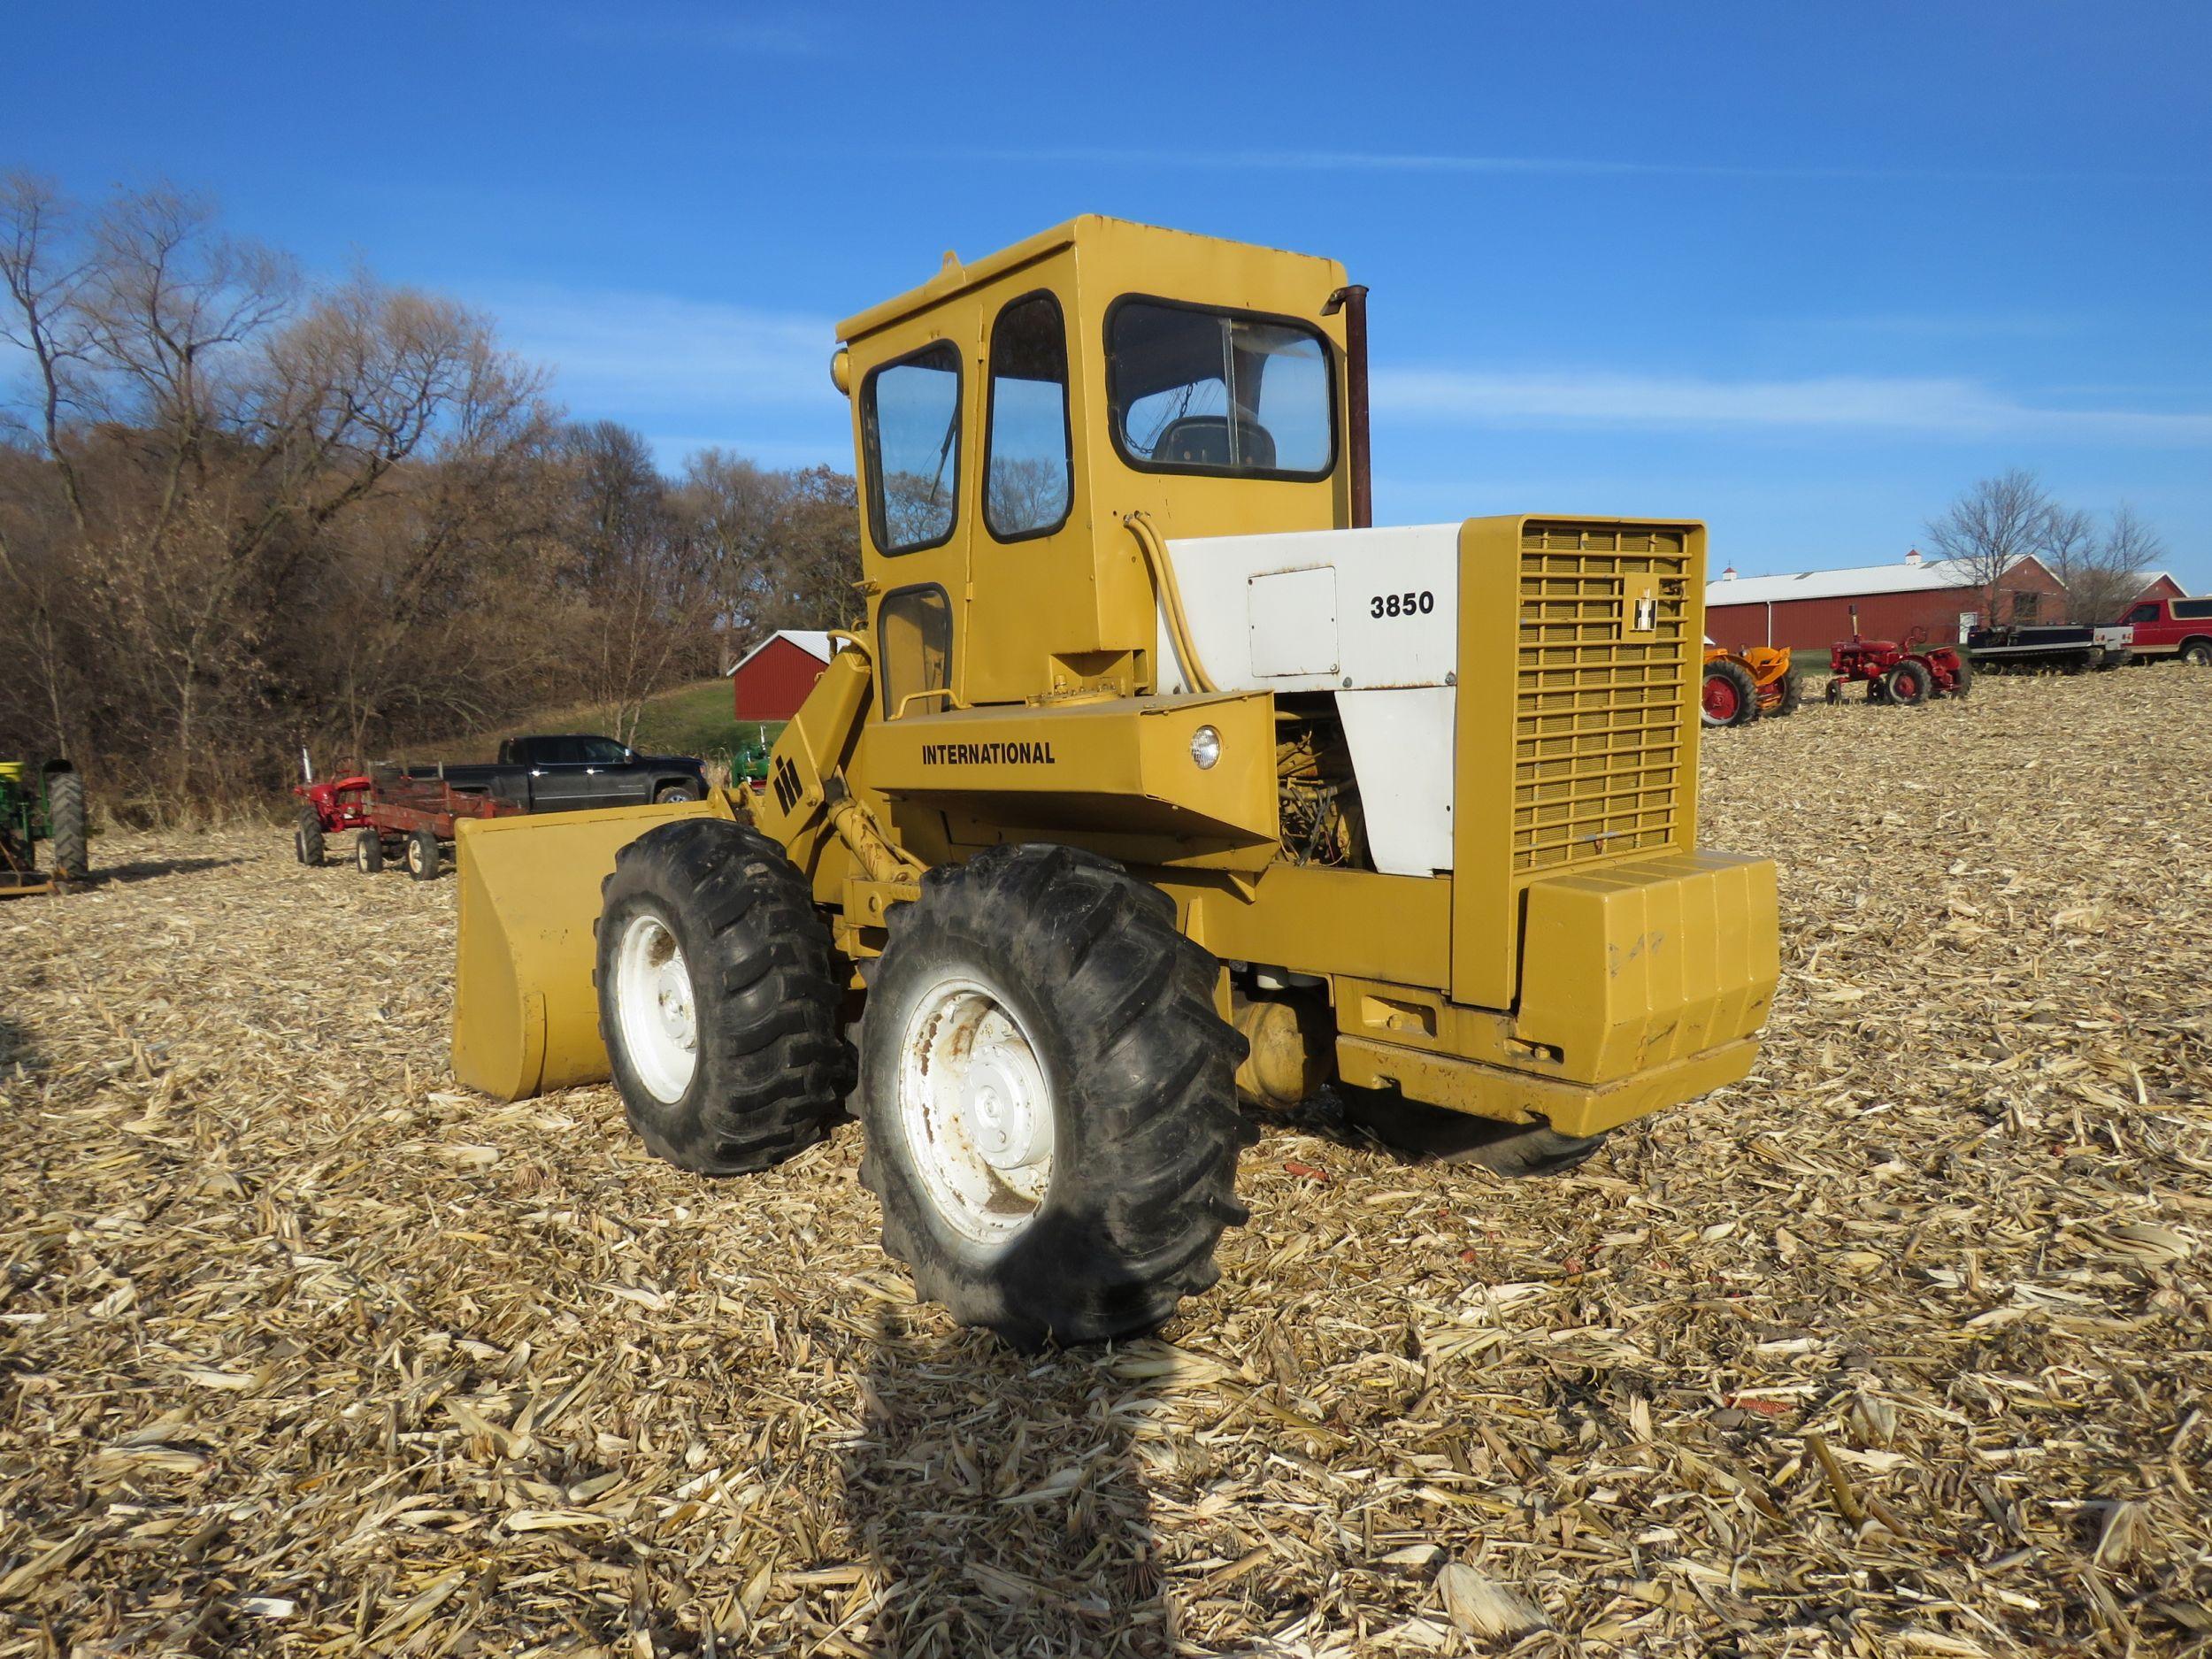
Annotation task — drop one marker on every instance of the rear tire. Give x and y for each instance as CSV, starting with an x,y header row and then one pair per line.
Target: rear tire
x,y
1906,684
1050,1097
1730,695
368,852
1431,1134
65,821
1964,683
1793,697
719,1002
307,837
423,856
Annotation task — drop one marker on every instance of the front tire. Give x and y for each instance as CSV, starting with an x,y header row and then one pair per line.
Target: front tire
x,y
718,1003
668,793
2197,653
1051,1099
368,852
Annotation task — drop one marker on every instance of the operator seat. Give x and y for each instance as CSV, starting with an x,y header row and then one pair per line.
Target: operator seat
x,y
1203,441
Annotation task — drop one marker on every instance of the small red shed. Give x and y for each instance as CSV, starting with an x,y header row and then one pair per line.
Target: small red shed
x,y
772,680
2160,585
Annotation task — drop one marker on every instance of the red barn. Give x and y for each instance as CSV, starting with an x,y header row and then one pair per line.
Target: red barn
x,y
771,679
1937,597
2158,585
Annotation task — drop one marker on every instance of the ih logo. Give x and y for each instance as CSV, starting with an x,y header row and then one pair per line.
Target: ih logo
x,y
1643,611
787,789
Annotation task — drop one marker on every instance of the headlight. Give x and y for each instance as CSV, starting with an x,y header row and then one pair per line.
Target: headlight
x,y
1205,747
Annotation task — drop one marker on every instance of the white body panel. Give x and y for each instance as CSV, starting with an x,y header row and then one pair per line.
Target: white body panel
x,y
1373,617
1402,753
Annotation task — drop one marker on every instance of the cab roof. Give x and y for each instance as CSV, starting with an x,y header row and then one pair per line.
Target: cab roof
x,y
954,277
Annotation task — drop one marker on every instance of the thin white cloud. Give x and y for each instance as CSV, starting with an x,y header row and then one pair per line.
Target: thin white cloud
x,y
617,352
696,367
1930,407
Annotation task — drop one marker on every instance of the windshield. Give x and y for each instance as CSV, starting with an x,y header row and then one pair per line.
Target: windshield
x,y
1208,391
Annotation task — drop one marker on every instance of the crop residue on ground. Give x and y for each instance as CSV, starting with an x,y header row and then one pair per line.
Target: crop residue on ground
x,y
1899,1349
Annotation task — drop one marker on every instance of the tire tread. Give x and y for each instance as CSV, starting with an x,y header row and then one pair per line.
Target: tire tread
x,y
1153,1062
776,1066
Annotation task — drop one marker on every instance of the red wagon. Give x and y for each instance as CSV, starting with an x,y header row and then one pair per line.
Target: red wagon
x,y
412,818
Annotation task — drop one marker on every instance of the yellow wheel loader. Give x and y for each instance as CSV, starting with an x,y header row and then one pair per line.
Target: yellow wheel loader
x,y
1156,777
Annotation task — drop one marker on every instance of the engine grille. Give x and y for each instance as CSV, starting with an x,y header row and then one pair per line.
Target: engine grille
x,y
1600,730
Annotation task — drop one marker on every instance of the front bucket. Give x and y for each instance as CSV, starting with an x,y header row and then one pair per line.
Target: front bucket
x,y
526,1017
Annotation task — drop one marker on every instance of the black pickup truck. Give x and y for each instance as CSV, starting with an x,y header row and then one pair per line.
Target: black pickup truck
x,y
569,772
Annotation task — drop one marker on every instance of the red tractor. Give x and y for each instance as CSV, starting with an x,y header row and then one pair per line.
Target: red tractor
x,y
329,807
1909,674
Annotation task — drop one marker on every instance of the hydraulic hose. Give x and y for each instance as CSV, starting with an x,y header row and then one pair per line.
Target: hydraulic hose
x,y
1170,596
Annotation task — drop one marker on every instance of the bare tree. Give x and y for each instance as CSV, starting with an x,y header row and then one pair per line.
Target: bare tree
x,y
203,432
240,510
736,510
2113,573
646,582
817,567
784,547
2067,543
1991,526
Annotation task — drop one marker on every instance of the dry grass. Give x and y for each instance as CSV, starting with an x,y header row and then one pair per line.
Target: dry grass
x,y
1898,1349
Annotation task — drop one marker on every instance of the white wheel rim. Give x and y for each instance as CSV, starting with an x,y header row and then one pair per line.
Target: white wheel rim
x,y
977,1109
655,1008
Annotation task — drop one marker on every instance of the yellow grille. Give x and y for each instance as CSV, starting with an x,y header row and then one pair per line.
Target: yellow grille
x,y
1599,729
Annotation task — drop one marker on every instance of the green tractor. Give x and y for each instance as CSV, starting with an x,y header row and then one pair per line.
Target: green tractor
x,y
47,804
749,761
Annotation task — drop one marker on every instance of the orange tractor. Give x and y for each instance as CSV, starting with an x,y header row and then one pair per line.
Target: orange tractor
x,y
1741,686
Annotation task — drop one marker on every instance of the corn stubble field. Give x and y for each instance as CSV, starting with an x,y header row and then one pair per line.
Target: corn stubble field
x,y
1897,1348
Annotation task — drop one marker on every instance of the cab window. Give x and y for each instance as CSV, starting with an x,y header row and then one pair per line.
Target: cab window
x,y
1028,460
2143,613
910,428
1196,390
601,751
914,637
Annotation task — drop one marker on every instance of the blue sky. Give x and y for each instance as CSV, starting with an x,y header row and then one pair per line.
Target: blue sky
x,y
1804,272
